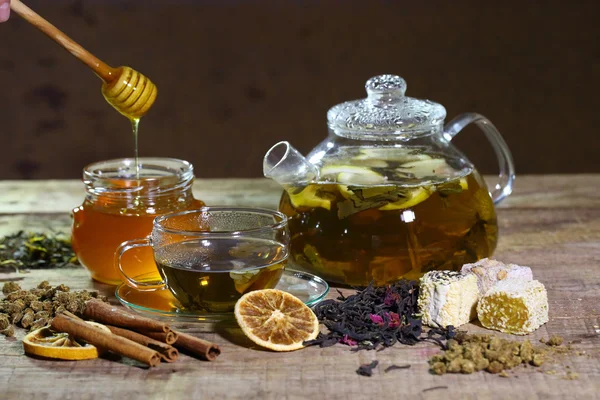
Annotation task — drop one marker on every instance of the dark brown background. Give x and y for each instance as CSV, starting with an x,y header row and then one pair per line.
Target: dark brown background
x,y
235,77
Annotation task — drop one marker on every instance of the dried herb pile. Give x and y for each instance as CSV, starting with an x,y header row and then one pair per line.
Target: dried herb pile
x,y
470,353
33,309
35,250
374,317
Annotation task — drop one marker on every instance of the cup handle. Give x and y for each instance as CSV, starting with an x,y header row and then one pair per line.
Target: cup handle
x,y
141,286
507,168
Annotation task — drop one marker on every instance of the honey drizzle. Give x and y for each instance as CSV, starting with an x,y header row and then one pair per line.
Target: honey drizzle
x,y
135,123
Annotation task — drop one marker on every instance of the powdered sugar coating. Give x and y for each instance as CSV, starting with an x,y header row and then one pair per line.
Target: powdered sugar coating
x,y
447,298
489,272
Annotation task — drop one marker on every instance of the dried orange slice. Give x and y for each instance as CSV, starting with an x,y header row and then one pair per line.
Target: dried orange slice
x,y
276,320
44,342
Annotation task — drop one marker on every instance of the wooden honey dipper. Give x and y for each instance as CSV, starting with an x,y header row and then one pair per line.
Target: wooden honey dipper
x,y
129,92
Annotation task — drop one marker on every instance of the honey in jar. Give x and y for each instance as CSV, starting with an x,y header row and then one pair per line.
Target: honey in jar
x,y
122,199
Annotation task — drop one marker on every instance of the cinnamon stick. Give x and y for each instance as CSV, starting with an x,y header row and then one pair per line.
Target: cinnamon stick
x,y
196,346
81,330
70,314
105,313
166,337
167,353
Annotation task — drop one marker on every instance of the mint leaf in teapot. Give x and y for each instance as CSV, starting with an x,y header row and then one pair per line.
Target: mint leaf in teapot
x,y
349,207
448,188
379,193
365,198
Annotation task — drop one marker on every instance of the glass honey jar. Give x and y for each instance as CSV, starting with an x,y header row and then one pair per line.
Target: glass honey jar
x,y
122,199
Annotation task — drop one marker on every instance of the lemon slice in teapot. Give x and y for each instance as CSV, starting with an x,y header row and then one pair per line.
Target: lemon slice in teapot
x,y
351,174
417,195
423,168
308,198
369,163
398,154
420,194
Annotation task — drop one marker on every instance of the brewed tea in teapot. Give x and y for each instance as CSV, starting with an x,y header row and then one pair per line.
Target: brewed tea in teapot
x,y
386,195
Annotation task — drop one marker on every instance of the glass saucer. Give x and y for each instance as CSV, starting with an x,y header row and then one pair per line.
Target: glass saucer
x,y
162,304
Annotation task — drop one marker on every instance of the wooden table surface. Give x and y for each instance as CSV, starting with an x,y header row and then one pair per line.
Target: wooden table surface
x,y
551,223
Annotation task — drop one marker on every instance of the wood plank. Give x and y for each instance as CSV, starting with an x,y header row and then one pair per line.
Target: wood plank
x,y
52,196
530,191
551,224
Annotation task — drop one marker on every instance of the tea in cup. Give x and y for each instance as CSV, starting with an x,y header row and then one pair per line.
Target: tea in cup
x,y
208,258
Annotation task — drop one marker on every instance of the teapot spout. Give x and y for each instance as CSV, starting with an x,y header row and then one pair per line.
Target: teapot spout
x,y
286,166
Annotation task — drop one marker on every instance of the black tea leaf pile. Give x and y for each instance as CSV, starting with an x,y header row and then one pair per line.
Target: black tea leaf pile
x,y
373,317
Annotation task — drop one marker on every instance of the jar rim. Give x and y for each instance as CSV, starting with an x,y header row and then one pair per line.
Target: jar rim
x,y
120,175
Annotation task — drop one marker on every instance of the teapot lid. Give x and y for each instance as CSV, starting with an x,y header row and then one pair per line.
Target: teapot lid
x,y
386,114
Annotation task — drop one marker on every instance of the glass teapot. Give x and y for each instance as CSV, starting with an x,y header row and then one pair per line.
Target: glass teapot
x,y
386,195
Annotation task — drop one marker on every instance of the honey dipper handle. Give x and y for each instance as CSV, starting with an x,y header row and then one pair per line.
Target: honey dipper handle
x,y
101,69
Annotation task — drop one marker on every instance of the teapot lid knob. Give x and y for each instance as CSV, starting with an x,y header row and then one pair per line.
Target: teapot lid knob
x,y
385,88
386,113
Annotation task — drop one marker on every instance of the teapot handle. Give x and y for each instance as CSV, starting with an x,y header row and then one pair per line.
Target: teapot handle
x,y
507,169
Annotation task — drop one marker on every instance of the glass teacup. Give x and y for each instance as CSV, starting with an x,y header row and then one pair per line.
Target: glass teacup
x,y
208,258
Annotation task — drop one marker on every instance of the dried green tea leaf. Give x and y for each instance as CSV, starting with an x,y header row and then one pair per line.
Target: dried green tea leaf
x,y
35,250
